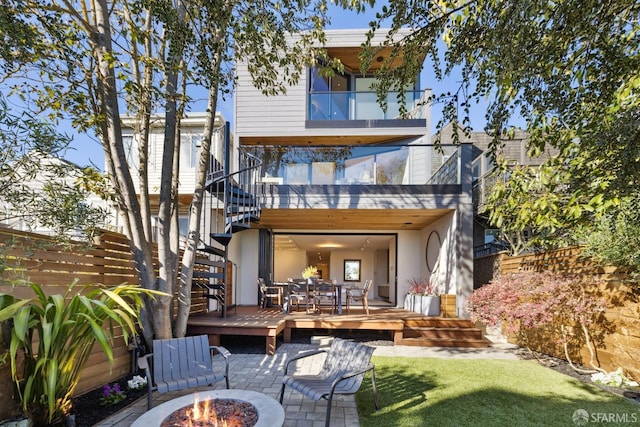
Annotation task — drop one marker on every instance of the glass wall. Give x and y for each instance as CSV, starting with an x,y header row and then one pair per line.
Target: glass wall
x,y
357,165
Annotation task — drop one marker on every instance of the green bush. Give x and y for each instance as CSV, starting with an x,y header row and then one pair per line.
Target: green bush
x,y
54,335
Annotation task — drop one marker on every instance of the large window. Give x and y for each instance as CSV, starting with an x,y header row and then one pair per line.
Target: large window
x,y
329,96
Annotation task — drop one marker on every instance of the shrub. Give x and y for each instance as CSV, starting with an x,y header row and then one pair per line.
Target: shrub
x,y
558,303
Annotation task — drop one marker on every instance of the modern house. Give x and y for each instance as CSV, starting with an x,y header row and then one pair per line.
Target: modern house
x,y
344,183
323,176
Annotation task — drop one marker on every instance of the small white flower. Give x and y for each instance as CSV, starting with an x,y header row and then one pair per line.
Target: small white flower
x,y
137,382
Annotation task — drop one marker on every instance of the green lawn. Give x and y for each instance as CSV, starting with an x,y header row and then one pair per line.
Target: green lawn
x,y
453,392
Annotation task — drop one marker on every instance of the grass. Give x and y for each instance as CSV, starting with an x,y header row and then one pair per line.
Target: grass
x,y
453,392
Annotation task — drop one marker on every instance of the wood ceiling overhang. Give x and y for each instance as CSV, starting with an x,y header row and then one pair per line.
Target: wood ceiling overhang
x,y
349,219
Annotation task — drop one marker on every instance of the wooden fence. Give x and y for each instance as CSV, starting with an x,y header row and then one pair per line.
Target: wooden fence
x,y
620,330
38,259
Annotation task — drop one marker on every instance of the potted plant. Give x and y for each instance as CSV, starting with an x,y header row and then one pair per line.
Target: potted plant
x,y
423,297
51,340
309,273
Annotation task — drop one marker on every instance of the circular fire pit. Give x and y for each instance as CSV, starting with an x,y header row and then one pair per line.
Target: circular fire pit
x,y
270,412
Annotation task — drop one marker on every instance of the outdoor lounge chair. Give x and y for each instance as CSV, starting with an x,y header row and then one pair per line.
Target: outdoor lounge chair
x,y
181,363
342,373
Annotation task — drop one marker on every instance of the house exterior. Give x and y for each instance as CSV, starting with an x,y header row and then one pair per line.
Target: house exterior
x,y
323,176
334,167
515,151
191,132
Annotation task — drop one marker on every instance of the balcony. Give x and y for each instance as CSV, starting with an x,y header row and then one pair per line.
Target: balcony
x,y
353,106
359,165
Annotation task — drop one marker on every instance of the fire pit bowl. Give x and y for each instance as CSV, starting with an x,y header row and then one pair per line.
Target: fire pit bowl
x,y
270,412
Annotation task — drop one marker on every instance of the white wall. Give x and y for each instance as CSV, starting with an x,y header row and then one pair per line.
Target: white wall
x,y
410,259
444,259
243,251
289,264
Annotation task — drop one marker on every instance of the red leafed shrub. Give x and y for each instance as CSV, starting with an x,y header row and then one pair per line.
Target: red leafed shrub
x,y
558,304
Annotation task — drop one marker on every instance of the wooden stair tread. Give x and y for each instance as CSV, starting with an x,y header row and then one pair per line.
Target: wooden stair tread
x,y
445,342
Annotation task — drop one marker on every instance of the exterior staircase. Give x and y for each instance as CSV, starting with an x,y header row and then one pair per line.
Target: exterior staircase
x,y
231,206
442,332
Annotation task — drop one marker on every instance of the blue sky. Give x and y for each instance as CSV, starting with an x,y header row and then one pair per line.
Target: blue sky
x,y
86,151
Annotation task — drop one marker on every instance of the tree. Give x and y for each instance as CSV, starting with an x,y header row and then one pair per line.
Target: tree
x,y
93,61
37,187
570,69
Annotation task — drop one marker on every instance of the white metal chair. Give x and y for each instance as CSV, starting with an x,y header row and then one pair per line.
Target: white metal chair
x,y
359,295
342,372
273,293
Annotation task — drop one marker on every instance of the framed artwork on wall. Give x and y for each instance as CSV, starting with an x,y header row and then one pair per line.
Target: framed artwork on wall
x,y
351,270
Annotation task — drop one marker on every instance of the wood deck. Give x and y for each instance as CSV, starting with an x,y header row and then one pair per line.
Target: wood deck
x,y
405,327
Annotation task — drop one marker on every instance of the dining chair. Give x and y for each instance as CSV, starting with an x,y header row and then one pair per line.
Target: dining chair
x,y
298,294
359,295
324,293
273,293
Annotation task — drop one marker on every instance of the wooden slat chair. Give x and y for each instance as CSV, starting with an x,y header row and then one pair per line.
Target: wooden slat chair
x,y
272,293
181,363
324,293
361,295
342,372
298,293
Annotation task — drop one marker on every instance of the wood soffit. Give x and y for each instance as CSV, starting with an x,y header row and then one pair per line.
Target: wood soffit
x,y
350,58
348,219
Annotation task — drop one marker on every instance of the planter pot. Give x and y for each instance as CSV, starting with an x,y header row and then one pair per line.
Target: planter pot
x,y
409,302
428,305
448,305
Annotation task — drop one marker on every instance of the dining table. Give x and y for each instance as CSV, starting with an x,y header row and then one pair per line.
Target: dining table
x,y
286,307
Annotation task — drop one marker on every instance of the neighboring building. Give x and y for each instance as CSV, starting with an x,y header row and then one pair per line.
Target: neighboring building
x,y
343,181
515,151
191,131
54,178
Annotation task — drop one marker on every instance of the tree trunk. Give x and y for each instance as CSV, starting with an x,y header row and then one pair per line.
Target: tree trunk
x,y
195,213
114,151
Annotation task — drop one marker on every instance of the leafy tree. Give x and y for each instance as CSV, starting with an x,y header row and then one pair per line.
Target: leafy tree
x,y
570,69
37,187
93,61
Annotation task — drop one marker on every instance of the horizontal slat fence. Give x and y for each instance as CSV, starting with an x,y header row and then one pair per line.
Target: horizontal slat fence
x,y
28,257
621,338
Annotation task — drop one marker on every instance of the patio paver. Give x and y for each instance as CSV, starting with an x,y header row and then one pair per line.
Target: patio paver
x,y
263,373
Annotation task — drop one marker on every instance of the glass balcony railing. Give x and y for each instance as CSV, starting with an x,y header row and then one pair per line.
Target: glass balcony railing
x,y
358,165
364,106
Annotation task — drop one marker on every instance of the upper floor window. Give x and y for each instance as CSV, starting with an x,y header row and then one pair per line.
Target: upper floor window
x,y
189,149
353,97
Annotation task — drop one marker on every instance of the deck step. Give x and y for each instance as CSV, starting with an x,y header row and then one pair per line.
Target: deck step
x,y
438,322
436,333
445,342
